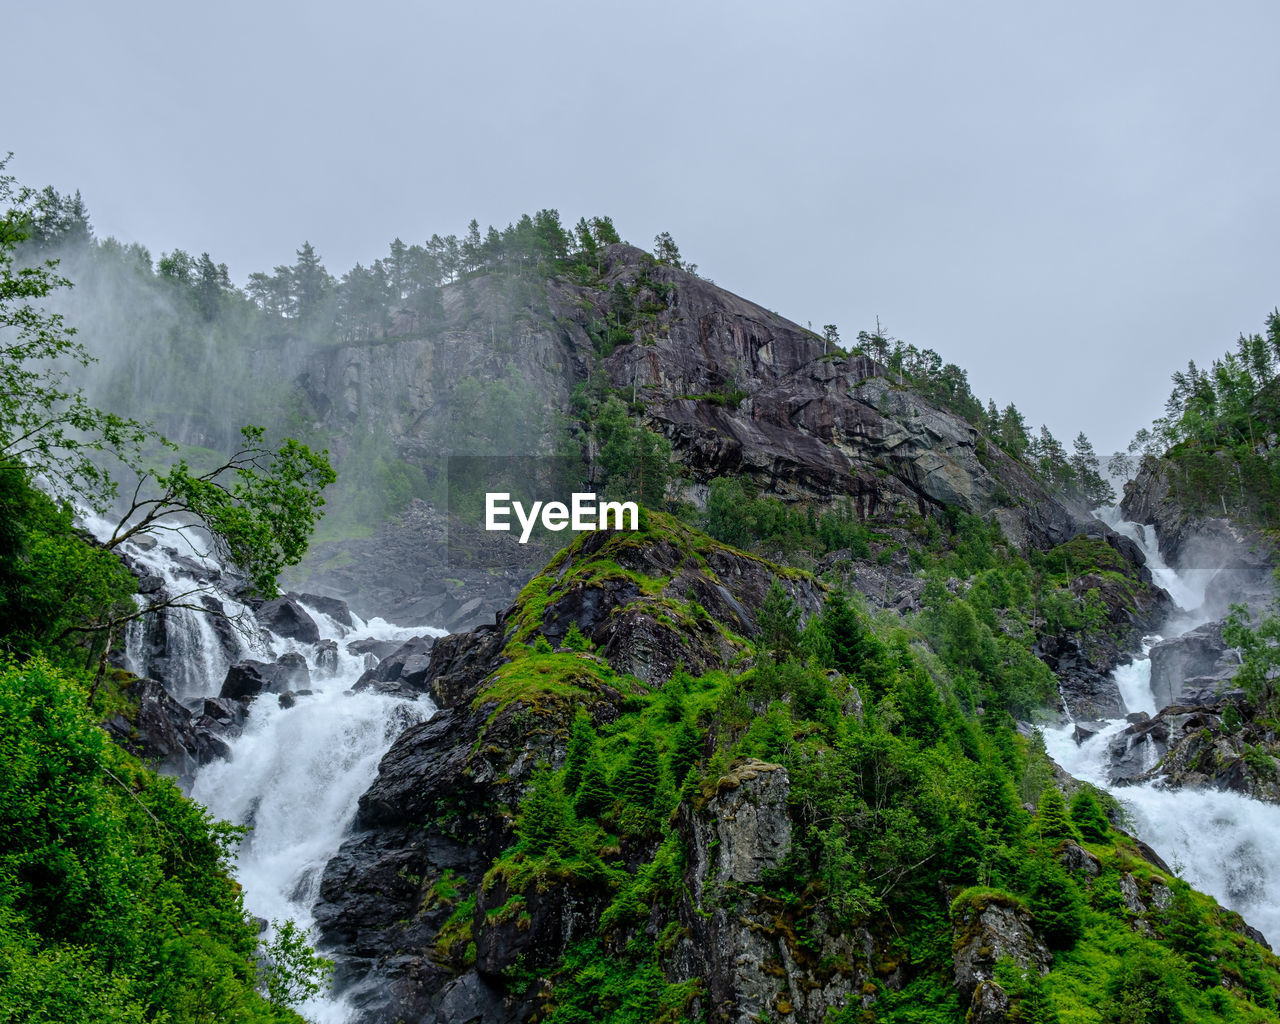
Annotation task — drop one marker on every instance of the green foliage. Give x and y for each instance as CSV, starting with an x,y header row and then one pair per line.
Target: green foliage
x,y
1145,988
638,780
1259,654
1056,903
1088,817
582,744
547,822
594,794
1029,1003
55,586
115,901
735,516
1219,429
1188,931
596,988
292,972
260,505
634,462
574,640
1052,821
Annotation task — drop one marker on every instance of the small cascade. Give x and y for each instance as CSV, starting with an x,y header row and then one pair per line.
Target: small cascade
x,y
1134,680
296,773
189,645
1218,841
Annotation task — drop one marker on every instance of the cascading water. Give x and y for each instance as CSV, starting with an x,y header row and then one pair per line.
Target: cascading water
x,y
1218,841
295,774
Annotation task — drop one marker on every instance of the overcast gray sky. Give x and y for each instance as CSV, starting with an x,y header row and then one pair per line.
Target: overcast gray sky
x,y
1069,201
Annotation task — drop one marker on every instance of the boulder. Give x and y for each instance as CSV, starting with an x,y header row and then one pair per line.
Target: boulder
x,y
168,736
333,607
986,929
327,657
1200,654
379,649
286,618
249,678
404,672
990,1005
1086,730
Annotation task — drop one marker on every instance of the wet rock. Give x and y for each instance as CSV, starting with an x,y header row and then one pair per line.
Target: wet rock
x,y
1086,683
226,712
169,737
1237,559
379,649
1218,744
1199,654
249,678
403,672
1086,730
150,585
333,607
327,657
286,618
1136,751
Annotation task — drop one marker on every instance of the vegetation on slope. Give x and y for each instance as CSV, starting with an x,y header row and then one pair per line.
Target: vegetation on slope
x,y
908,793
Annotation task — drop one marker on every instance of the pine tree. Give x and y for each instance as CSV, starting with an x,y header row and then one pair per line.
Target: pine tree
x,y
582,744
779,622
574,640
1092,486
638,780
1056,904
594,794
686,750
1088,817
998,801
1052,821
1189,933
546,822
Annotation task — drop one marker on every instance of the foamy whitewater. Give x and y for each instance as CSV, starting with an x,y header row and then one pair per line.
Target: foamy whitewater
x,y
1221,842
296,774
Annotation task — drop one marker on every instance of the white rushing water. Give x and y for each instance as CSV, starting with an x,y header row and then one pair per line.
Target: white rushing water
x,y
296,774
1221,842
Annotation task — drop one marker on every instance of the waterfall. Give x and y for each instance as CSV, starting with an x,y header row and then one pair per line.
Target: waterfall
x,y
1221,842
296,774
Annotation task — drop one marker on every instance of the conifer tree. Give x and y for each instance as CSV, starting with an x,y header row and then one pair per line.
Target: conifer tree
x,y
638,780
1052,821
779,622
1056,904
582,743
546,822
686,750
1088,817
594,794
1189,933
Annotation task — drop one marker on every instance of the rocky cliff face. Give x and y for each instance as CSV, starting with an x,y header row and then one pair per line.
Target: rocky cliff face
x,y
739,390
739,941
